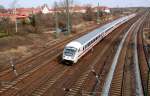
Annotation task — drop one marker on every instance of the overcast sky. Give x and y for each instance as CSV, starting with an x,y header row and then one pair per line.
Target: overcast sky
x,y
109,3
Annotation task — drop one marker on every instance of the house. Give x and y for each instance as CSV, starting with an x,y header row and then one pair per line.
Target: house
x,y
13,17
19,13
24,11
3,10
45,9
78,9
102,8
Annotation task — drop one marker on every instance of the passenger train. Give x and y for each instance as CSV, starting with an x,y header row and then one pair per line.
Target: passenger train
x,y
74,50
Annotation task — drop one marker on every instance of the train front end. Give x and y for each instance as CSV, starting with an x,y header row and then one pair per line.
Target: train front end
x,y
70,53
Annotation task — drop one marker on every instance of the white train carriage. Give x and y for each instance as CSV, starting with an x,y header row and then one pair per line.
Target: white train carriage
x,y
74,50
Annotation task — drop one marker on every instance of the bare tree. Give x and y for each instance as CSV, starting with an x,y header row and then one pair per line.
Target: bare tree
x,y
89,15
64,14
56,20
6,26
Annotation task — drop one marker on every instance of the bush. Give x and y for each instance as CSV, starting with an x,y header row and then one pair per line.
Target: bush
x,y
6,26
2,34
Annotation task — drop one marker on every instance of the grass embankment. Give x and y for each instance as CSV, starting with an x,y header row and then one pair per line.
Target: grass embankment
x,y
2,34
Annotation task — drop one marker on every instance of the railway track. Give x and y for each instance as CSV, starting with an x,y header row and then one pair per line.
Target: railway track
x,y
53,79
29,73
26,61
103,70
123,81
143,57
34,61
70,86
31,62
116,84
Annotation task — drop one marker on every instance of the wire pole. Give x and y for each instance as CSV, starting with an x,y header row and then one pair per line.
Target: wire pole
x,y
68,17
56,20
16,21
14,7
98,21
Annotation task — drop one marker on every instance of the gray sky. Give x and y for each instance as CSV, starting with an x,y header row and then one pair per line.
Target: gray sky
x,y
109,3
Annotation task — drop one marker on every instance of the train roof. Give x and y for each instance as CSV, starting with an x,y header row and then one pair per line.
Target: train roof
x,y
74,44
83,40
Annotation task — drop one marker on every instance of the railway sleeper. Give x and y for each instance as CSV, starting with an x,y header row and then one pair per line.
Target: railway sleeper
x,y
116,82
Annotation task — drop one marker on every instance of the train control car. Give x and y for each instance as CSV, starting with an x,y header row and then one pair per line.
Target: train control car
x,y
74,50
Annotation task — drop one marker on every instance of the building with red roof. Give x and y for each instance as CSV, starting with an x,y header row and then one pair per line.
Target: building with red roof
x,y
102,8
23,13
12,17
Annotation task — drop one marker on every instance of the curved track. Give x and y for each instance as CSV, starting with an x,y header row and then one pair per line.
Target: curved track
x,y
35,60
126,77
74,80
143,57
32,68
50,78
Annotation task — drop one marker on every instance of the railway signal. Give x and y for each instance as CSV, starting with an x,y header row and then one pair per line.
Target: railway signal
x,y
96,75
67,89
13,66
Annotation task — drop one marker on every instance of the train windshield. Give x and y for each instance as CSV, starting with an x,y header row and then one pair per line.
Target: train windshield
x,y
70,51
